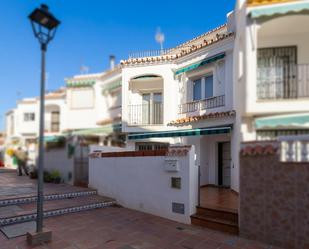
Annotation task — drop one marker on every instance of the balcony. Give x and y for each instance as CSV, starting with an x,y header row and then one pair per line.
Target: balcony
x,y
209,103
146,114
283,82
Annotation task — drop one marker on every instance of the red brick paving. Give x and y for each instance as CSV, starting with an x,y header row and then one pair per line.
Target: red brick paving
x,y
121,228
12,185
219,198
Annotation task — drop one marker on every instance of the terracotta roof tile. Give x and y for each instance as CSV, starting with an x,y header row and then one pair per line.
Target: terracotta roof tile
x,y
263,2
173,151
197,118
256,149
109,121
179,51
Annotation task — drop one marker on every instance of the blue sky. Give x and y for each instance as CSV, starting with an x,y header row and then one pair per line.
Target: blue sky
x,y
90,31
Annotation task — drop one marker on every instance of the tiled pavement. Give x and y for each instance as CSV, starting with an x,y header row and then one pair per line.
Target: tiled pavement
x,y
121,228
12,186
112,227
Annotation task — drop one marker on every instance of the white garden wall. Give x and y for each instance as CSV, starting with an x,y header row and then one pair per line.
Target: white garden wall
x,y
143,184
57,159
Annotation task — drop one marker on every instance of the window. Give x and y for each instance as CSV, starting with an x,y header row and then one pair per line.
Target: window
x,y
203,88
152,108
197,89
82,98
277,73
29,116
55,121
208,86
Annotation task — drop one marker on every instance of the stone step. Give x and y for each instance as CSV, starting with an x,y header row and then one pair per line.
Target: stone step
x,y
47,197
218,213
8,170
215,223
27,211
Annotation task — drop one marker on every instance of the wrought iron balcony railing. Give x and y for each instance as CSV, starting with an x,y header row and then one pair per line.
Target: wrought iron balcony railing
x,y
146,114
283,82
158,52
204,104
150,53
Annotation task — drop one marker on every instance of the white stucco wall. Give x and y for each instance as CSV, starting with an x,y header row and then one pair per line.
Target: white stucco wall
x,y
222,74
170,99
84,117
142,183
57,159
281,31
26,127
106,102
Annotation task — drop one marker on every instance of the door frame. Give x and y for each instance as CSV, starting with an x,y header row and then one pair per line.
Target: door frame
x,y
220,163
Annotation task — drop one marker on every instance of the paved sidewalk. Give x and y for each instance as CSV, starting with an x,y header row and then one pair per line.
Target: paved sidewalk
x,y
121,228
12,185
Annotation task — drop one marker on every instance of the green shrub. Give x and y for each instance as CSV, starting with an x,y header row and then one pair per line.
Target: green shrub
x,y
47,177
55,176
33,173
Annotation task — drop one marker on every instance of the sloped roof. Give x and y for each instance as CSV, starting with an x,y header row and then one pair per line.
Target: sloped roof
x,y
264,2
192,119
197,43
60,93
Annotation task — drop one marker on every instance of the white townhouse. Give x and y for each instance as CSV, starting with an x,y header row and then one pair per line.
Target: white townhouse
x,y
87,111
184,95
94,106
22,123
271,73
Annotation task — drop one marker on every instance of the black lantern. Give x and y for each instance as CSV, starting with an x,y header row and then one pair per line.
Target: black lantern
x,y
44,25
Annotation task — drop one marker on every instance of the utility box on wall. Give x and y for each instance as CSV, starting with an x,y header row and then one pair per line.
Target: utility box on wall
x,y
171,165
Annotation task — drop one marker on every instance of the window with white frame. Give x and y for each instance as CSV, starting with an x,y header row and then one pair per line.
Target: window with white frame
x,y
152,108
197,89
203,87
82,98
29,116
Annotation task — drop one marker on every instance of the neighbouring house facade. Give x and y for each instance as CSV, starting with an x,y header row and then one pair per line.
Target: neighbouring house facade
x,y
87,111
22,123
271,76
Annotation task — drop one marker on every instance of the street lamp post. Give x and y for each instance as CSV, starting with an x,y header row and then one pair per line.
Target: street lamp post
x,y
44,26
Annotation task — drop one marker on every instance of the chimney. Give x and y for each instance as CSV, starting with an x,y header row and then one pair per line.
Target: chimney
x,y
112,61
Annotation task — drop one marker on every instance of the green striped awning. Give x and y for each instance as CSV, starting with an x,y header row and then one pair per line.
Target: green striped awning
x,y
181,133
283,121
99,131
111,86
201,63
86,83
53,139
279,9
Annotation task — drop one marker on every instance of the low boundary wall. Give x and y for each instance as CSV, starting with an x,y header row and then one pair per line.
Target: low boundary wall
x,y
274,197
142,180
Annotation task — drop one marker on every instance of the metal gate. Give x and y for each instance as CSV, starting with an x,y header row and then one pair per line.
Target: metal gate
x,y
81,166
